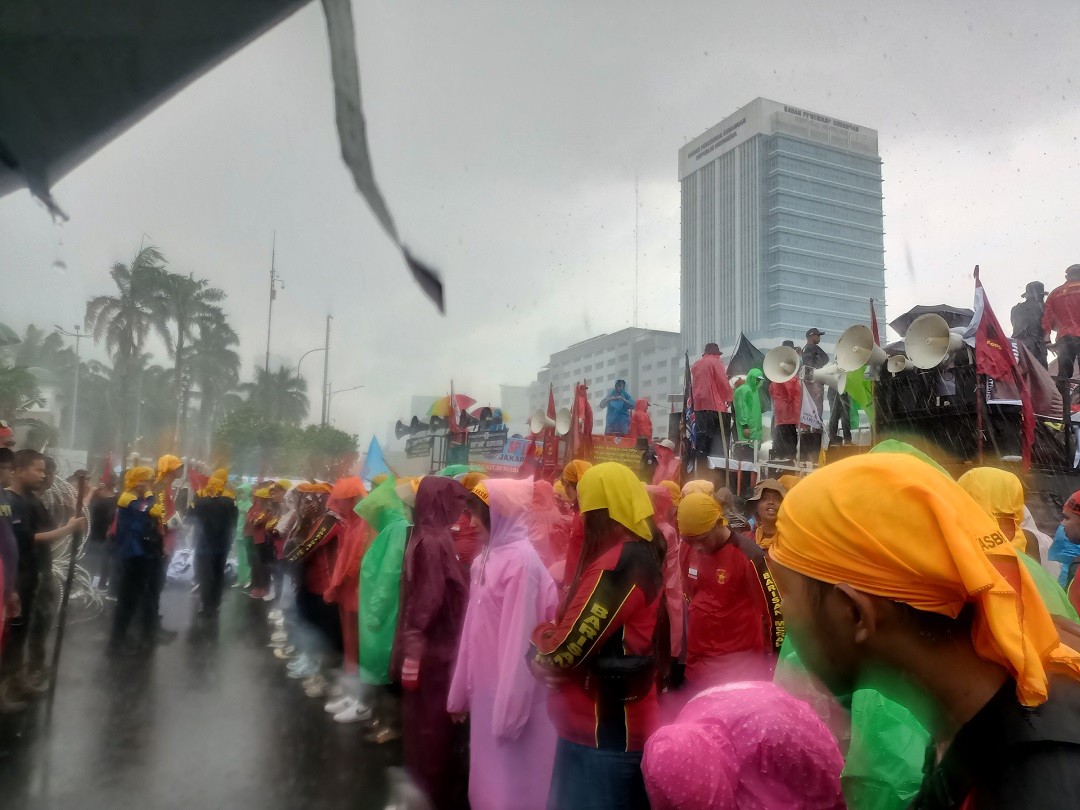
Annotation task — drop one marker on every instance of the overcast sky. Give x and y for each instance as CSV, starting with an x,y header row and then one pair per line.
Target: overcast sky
x,y
507,137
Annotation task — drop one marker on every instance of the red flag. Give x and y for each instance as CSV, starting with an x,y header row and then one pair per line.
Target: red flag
x,y
873,323
994,358
551,440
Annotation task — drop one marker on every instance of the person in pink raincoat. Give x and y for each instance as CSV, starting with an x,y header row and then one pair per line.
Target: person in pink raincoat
x,y
674,599
512,741
744,746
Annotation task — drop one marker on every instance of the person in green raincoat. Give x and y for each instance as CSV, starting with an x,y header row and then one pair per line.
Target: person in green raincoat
x,y
748,407
380,592
243,564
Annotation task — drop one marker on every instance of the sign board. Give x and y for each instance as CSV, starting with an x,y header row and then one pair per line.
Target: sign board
x,y
485,443
418,446
507,459
620,449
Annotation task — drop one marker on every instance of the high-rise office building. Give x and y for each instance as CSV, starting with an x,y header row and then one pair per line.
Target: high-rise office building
x,y
781,227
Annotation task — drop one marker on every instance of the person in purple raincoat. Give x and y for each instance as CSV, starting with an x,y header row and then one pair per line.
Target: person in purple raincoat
x,y
512,738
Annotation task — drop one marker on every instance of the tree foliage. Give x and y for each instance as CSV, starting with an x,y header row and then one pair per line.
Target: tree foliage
x,y
253,444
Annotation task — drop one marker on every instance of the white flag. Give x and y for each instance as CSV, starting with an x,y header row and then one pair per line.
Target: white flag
x,y
808,414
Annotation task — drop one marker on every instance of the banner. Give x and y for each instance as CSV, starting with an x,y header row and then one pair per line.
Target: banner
x,y
809,415
620,449
507,458
485,444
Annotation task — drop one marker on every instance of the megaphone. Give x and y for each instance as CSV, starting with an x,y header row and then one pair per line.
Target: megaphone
x,y
466,421
831,375
416,426
856,348
401,429
929,341
539,421
781,364
438,423
898,363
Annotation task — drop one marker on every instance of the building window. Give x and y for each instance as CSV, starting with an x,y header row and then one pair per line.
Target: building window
x,y
661,380
587,369
661,362
611,361
623,358
647,367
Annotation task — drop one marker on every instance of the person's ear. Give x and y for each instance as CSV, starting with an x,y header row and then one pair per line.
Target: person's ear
x,y
863,611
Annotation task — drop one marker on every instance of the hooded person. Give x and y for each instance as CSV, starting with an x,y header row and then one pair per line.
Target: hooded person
x,y
955,615
712,398
598,654
436,593
640,421
754,746
730,622
138,552
354,535
512,740
619,405
1001,496
674,600
748,407
667,463
380,599
243,560
214,516
550,528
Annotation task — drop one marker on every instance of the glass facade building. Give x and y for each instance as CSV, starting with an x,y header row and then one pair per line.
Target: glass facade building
x,y
781,228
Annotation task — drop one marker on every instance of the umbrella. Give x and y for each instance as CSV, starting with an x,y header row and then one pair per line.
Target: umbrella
x,y
441,407
8,336
954,316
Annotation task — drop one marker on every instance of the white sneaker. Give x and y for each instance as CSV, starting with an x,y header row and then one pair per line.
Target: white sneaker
x,y
310,668
315,686
301,661
280,635
275,615
339,705
270,596
356,713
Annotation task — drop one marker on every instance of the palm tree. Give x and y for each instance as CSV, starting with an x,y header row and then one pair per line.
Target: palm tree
x,y
215,367
189,299
43,349
280,395
125,321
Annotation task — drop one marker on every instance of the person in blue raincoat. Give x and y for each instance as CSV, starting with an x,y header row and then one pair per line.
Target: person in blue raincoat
x,y
619,404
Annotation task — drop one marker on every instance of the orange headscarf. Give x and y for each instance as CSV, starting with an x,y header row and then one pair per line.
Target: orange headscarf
x,y
674,489
1000,494
879,523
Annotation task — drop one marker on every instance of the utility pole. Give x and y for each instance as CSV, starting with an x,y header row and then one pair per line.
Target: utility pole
x,y
635,249
326,373
275,281
78,334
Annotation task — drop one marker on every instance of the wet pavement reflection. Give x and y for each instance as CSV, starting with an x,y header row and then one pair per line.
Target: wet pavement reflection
x,y
209,721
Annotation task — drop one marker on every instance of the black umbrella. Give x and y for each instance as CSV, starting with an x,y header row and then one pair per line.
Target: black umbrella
x,y
954,316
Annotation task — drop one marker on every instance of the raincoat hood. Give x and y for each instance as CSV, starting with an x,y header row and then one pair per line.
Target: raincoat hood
x,y
641,406
382,506
511,502
753,378
439,503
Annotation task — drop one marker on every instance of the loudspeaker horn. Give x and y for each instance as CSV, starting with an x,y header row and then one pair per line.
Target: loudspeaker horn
x,y
401,429
416,426
929,341
898,363
539,421
831,375
781,364
438,423
856,348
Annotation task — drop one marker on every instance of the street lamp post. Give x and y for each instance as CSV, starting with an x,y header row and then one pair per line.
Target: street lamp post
x,y
78,334
275,284
330,399
305,354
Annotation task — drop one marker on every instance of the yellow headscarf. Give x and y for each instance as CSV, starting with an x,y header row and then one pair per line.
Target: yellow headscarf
x,y
1000,494
879,523
560,490
261,493
471,479
283,483
481,492
698,514
573,471
136,476
674,490
166,464
613,487
215,485
699,485
789,481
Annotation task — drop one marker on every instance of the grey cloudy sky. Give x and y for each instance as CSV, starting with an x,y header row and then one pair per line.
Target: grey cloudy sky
x,y
507,137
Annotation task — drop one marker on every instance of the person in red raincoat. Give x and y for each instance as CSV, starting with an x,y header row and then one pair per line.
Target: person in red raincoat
x,y
787,405
435,594
344,590
640,421
712,398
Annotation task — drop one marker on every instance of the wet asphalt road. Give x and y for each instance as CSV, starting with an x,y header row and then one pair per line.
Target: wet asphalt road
x,y
209,721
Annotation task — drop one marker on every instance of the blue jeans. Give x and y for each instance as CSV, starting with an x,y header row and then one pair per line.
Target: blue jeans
x,y
596,779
